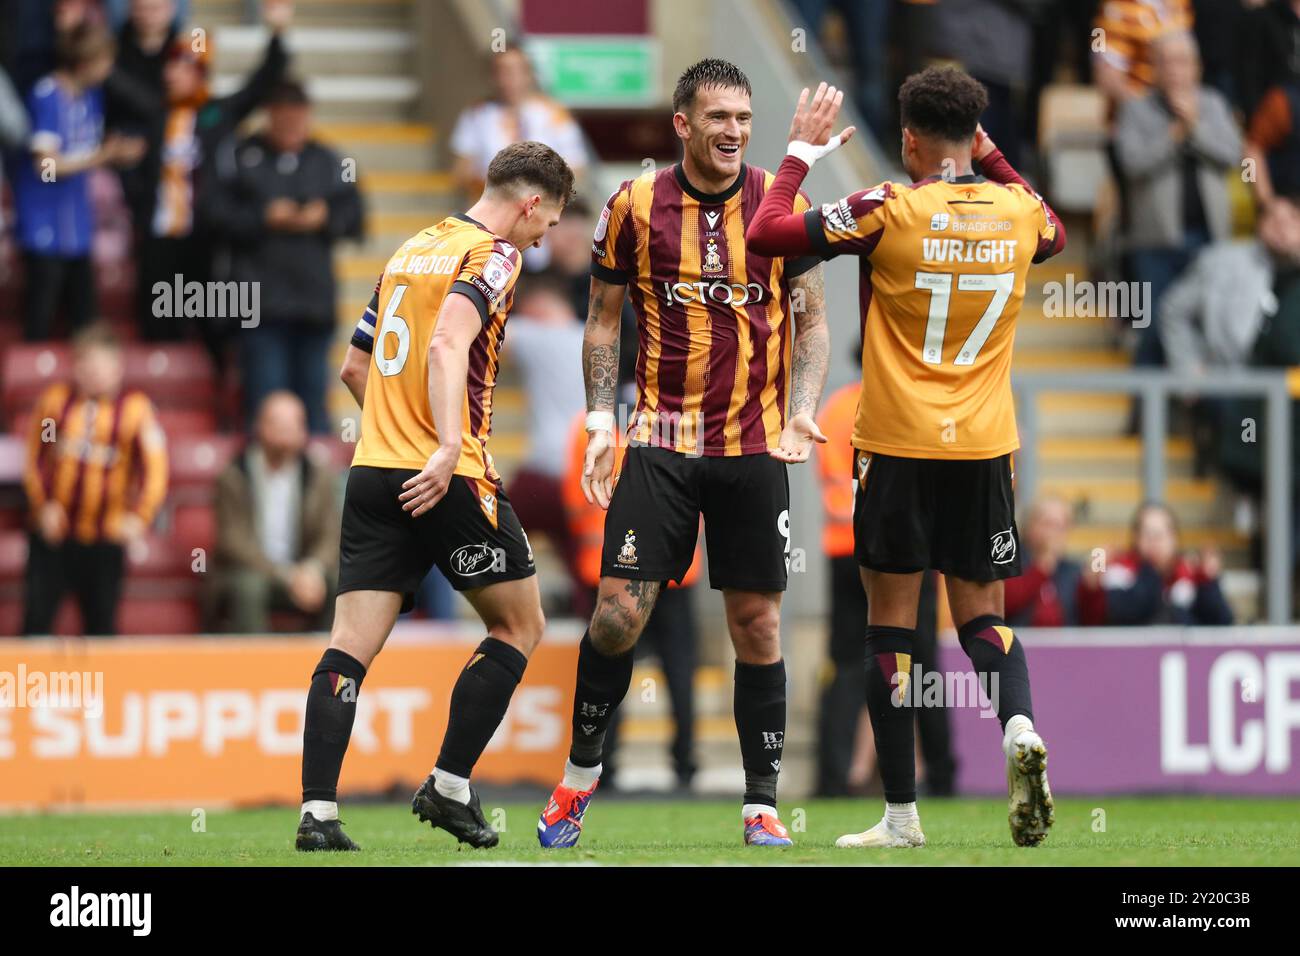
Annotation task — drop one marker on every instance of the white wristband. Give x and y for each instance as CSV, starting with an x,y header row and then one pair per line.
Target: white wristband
x,y
600,421
810,153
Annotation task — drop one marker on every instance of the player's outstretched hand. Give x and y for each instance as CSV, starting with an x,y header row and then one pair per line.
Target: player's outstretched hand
x,y
797,439
598,468
813,122
426,489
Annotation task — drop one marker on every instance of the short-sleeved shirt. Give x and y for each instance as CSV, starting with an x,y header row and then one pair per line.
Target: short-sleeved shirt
x,y
54,214
943,272
482,130
458,255
713,316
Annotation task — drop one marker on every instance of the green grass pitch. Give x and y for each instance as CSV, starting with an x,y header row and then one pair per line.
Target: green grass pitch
x,y
1178,831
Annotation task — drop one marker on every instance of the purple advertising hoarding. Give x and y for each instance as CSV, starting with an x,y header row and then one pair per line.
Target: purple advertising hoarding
x,y
1173,710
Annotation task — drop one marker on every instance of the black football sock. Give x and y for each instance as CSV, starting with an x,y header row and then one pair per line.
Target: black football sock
x,y
602,685
478,703
889,668
1000,663
759,703
327,726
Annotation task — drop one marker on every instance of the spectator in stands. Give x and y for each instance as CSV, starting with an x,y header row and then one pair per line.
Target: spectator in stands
x,y
1219,25
281,208
173,239
1123,59
121,12
570,242
1154,582
135,97
1211,316
516,111
14,130
96,474
1269,50
38,26
1174,146
866,29
277,527
1277,345
1046,594
844,681
1273,143
992,39
545,343
52,189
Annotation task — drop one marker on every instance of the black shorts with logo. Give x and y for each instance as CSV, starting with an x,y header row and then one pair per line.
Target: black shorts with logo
x,y
654,518
957,517
472,535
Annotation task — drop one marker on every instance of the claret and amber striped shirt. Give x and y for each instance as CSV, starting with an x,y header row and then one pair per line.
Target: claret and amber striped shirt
x,y
713,368
100,458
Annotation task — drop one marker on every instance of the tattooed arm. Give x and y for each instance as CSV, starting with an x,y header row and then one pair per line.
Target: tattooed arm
x,y
600,372
810,354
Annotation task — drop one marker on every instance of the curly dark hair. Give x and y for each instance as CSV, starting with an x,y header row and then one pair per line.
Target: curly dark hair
x,y
709,72
944,102
534,164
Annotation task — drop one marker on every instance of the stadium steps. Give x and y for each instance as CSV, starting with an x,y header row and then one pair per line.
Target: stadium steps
x,y
1085,455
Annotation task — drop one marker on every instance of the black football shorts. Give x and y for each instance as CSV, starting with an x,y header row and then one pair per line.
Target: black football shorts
x,y
472,535
957,517
654,519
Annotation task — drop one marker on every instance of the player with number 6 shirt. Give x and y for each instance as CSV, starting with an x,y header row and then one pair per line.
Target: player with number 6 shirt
x,y
422,489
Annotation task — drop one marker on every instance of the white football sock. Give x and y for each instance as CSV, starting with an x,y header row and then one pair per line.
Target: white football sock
x,y
580,778
901,814
451,786
754,809
320,809
1016,726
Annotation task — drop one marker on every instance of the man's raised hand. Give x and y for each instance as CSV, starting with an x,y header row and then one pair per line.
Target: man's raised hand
x,y
810,130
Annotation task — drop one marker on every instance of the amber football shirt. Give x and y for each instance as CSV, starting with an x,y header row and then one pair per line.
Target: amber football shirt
x,y
943,271
458,255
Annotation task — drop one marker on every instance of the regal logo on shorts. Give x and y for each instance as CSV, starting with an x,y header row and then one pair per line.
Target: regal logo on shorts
x,y
1003,547
475,559
627,553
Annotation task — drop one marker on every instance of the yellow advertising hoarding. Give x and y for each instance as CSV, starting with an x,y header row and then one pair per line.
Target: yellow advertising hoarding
x,y
218,720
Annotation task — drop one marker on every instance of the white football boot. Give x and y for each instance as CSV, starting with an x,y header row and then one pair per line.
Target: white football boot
x,y
886,834
1030,810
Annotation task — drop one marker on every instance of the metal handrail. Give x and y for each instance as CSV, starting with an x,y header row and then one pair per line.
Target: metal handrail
x,y
1154,388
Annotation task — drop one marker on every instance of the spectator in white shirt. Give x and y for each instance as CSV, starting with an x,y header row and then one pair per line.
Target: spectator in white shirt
x,y
516,111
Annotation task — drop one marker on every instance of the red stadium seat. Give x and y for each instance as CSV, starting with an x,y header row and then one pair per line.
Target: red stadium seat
x,y
172,375
30,368
139,616
198,461
194,465
184,423
159,557
195,526
13,456
13,555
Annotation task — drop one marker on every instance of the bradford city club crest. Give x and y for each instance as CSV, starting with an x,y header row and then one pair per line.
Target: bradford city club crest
x,y
627,553
712,261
